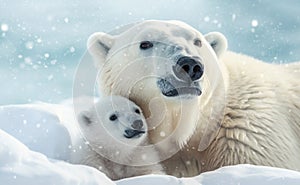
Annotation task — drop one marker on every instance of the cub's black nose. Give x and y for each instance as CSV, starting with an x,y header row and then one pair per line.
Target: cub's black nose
x,y
188,69
137,124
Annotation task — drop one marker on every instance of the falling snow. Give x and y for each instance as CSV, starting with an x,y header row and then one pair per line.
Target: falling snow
x,y
72,49
4,27
39,40
28,61
233,17
206,19
50,77
53,62
29,45
47,55
254,23
162,134
66,20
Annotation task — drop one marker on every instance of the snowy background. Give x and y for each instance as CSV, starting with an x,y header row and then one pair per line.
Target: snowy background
x,y
42,42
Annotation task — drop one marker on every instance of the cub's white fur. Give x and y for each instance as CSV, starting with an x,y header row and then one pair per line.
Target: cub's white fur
x,y
114,148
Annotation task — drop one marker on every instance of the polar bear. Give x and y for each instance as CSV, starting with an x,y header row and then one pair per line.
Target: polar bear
x,y
206,107
116,133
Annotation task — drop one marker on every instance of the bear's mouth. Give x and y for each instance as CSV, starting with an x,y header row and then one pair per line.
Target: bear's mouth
x,y
173,88
130,133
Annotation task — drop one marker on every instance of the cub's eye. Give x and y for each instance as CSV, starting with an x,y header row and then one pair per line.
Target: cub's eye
x,y
146,45
137,111
197,42
113,117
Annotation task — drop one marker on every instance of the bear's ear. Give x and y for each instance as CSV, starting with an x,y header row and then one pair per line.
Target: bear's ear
x,y
99,45
85,118
217,41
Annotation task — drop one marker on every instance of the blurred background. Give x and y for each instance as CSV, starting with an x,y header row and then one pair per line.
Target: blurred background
x,y
42,42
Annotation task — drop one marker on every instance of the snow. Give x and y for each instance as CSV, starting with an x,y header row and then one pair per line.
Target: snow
x,y
231,175
249,174
4,27
42,43
36,141
35,128
254,23
21,166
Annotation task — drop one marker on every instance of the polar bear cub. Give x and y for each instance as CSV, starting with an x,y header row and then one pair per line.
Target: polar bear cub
x,y
115,131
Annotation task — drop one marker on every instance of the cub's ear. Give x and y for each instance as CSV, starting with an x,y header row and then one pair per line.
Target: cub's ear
x,y
217,41
85,118
99,45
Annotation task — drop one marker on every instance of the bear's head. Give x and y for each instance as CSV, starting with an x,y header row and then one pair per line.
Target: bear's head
x,y
168,68
114,127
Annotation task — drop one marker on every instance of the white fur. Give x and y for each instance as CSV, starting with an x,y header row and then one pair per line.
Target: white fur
x,y
109,151
248,112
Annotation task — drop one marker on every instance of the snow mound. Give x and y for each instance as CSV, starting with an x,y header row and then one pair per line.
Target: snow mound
x,y
249,175
20,166
36,128
243,174
36,141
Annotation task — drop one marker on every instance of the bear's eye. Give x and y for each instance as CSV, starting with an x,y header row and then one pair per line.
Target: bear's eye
x,y
197,42
146,45
137,111
113,117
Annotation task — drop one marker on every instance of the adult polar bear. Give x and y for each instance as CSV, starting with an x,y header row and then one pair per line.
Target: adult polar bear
x,y
216,107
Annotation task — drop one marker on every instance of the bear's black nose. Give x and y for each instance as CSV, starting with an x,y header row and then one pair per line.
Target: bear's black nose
x,y
137,124
188,69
